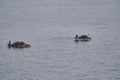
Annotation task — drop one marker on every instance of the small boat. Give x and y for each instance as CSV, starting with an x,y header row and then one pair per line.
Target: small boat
x,y
82,38
18,44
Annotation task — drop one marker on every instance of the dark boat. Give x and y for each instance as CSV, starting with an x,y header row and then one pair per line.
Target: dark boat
x,y
18,44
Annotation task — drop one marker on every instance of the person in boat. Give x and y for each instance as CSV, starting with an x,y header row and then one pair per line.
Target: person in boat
x,y
76,36
9,44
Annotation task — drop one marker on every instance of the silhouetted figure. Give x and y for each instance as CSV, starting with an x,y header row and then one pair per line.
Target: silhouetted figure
x,y
9,44
76,36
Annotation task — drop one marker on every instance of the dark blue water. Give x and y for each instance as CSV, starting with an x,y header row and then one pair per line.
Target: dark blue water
x,y
50,26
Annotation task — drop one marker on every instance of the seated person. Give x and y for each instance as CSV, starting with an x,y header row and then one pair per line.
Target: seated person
x,y
76,36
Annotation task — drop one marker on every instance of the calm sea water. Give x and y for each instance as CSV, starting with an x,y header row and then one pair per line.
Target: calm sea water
x,y
50,26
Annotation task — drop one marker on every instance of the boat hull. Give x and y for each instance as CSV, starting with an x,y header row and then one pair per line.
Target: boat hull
x,y
83,39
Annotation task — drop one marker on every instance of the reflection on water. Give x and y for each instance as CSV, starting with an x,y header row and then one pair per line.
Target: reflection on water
x,y
50,27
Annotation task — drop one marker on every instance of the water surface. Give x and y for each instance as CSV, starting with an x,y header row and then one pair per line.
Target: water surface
x,y
50,26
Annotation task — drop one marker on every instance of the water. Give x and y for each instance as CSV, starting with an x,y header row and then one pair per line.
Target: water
x,y
50,26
